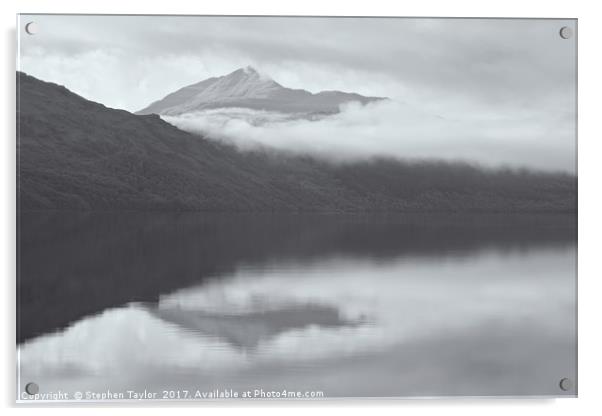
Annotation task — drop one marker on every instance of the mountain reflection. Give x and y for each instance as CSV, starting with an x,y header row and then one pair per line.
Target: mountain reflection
x,y
246,330
76,264
495,322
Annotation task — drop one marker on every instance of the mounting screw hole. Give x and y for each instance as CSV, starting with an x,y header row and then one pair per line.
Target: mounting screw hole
x,y
566,32
32,388
565,384
31,28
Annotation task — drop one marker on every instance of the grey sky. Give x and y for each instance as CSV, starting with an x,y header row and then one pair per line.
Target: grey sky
x,y
507,72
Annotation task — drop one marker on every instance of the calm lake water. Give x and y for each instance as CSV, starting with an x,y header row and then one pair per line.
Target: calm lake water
x,y
349,305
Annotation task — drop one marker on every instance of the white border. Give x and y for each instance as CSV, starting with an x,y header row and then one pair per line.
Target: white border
x,y
590,209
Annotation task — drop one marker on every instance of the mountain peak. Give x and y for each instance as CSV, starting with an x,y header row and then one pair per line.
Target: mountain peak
x,y
249,73
246,70
246,87
250,70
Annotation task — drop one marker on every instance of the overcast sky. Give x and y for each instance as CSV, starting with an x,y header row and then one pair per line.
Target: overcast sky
x,y
513,74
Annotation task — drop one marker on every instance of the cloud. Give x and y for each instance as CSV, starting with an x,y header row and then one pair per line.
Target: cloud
x,y
493,75
489,61
393,129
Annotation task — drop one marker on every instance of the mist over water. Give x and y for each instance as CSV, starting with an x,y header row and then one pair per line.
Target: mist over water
x,y
394,129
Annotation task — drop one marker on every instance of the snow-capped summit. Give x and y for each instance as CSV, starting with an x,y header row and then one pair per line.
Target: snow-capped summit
x,y
248,88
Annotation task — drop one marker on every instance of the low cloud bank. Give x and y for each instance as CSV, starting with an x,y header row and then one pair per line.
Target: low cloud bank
x,y
393,129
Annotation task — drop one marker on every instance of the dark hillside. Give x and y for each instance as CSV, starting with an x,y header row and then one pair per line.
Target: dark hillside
x,y
75,154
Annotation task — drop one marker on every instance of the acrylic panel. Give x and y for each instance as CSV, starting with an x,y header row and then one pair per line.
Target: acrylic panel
x,y
237,207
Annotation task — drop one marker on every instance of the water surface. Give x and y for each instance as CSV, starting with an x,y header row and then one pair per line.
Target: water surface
x,y
379,305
